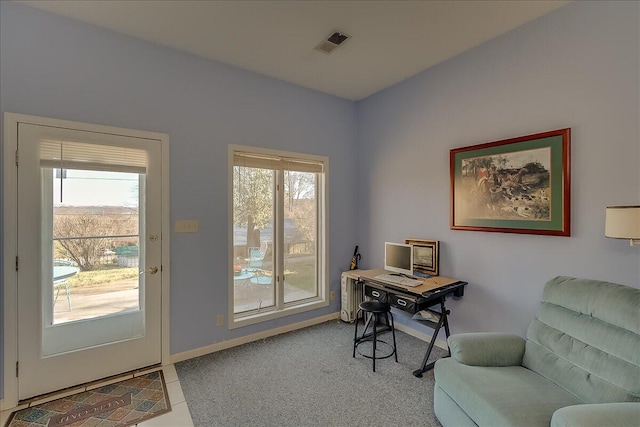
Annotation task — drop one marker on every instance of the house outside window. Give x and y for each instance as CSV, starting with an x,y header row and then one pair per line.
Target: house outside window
x,y
278,234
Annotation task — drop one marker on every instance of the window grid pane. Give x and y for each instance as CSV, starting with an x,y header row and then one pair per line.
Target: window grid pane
x,y
300,231
253,232
95,239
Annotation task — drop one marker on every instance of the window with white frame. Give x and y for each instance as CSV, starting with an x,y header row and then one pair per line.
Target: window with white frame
x,y
278,233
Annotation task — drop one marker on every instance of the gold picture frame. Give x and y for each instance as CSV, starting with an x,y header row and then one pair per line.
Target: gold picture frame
x,y
425,255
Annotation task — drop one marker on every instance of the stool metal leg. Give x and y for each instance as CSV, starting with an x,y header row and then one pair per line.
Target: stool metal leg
x,y
375,339
367,323
355,335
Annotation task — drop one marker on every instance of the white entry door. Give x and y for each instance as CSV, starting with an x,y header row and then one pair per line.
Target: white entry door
x,y
89,256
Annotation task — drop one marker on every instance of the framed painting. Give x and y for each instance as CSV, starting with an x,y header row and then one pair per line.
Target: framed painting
x,y
518,185
425,255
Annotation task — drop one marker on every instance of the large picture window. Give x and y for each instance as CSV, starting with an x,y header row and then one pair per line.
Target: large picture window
x,y
278,233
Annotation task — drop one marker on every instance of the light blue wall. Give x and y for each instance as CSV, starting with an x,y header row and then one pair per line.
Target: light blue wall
x,y
577,67
56,67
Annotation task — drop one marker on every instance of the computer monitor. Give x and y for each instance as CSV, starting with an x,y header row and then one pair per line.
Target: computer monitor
x,y
398,257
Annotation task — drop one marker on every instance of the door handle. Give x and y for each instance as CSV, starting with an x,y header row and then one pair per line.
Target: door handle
x,y
153,270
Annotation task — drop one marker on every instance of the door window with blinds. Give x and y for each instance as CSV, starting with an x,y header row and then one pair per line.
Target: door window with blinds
x,y
278,233
92,222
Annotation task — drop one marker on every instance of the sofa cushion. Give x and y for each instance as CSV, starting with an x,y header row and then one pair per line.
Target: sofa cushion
x,y
624,414
615,304
585,339
487,349
509,396
448,411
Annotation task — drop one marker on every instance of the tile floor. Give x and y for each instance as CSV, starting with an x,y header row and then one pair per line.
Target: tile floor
x,y
178,417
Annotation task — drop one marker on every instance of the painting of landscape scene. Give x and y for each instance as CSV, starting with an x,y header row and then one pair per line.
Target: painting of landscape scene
x,y
517,185
507,186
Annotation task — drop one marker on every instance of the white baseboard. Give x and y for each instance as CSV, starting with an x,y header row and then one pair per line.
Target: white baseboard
x,y
421,336
179,357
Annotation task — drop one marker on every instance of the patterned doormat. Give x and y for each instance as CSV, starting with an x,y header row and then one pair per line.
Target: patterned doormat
x,y
121,404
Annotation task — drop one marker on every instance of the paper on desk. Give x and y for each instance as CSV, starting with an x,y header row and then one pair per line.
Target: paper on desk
x,y
427,315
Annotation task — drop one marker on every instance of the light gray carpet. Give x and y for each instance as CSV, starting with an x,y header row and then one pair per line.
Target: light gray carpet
x,y
309,378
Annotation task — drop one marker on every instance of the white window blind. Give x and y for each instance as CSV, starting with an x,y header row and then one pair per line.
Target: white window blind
x,y
79,155
263,161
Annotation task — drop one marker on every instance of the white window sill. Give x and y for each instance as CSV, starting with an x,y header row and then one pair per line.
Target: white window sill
x,y
240,321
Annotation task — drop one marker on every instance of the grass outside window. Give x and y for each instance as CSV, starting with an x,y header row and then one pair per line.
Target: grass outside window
x,y
102,276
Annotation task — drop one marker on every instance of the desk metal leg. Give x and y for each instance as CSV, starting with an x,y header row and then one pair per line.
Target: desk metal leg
x,y
443,321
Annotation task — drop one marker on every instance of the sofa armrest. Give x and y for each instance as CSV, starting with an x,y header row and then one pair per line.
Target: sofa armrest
x,y
626,414
487,349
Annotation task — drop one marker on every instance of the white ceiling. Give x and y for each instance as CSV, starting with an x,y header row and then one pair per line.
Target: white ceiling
x,y
391,40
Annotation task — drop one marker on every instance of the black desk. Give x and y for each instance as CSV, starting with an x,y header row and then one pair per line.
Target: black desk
x,y
431,293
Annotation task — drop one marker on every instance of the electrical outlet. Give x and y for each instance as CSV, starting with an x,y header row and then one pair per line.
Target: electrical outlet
x,y
332,296
220,320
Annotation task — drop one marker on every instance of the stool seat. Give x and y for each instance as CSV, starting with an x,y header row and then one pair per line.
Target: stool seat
x,y
375,307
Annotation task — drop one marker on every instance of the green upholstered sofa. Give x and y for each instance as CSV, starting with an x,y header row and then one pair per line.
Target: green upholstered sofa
x,y
579,365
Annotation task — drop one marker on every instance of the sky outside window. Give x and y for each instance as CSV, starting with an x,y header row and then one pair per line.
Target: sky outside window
x,y
96,188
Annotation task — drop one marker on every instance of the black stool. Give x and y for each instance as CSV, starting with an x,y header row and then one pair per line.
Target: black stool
x,y
374,309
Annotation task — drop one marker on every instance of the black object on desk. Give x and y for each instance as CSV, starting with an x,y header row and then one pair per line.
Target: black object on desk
x,y
413,300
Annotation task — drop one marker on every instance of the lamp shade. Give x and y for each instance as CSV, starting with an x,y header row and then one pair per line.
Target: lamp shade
x,y
622,222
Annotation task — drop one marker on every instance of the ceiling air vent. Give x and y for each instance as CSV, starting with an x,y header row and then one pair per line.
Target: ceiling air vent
x,y
332,42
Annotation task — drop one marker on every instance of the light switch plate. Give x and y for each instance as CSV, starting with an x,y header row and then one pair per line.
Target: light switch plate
x,y
186,226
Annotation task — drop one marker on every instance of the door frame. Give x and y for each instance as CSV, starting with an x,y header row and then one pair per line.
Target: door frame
x,y
10,277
